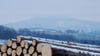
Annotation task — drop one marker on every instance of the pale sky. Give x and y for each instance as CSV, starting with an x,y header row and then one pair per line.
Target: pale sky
x,y
19,10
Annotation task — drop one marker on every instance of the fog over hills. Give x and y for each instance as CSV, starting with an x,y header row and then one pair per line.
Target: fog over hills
x,y
56,22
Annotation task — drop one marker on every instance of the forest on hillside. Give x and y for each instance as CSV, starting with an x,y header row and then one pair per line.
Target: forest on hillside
x,y
68,35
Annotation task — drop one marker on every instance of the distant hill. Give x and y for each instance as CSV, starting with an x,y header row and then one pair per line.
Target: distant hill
x,y
54,22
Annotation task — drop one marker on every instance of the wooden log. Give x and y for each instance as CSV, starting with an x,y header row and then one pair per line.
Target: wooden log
x,y
35,54
19,39
13,53
59,52
27,55
14,45
46,50
24,51
34,42
26,45
9,51
9,42
31,50
39,55
4,54
23,42
19,51
1,45
39,47
0,53
4,48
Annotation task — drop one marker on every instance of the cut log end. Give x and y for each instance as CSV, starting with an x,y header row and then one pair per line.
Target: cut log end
x,y
31,50
0,53
34,42
18,39
39,47
39,55
35,54
18,50
24,51
4,54
9,43
14,45
46,50
9,51
23,43
13,53
27,55
26,45
3,48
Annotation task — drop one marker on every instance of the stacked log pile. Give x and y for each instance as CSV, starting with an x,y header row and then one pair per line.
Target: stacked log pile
x,y
31,47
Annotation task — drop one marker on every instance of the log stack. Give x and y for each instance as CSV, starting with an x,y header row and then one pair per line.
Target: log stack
x,y
31,47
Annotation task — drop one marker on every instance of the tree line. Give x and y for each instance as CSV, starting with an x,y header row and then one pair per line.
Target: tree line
x,y
6,33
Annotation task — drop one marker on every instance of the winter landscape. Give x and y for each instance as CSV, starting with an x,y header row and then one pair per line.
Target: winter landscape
x,y
49,28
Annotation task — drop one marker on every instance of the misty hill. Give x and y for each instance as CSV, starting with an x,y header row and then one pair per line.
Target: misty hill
x,y
54,22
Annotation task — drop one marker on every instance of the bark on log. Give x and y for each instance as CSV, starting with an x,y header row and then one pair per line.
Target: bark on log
x,y
47,50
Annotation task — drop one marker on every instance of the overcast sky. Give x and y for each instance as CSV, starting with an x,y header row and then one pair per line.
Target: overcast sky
x,y
19,10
